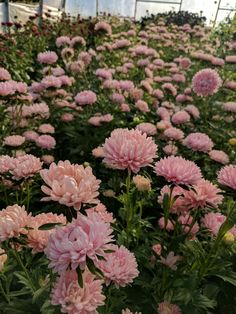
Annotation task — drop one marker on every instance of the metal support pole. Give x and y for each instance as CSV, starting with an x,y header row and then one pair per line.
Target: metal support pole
x,y
40,12
217,11
63,5
180,5
7,11
97,13
135,9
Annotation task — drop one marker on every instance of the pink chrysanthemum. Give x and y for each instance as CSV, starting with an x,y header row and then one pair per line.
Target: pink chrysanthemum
x,y
26,166
227,176
6,163
219,156
101,210
148,128
206,82
70,184
30,135
63,41
4,75
230,106
127,311
168,308
48,57
193,110
46,128
178,170
87,236
119,267
102,25
46,142
129,149
13,221
180,117
38,239
72,298
14,140
213,222
174,134
3,258
177,192
86,97
198,142
187,225
170,149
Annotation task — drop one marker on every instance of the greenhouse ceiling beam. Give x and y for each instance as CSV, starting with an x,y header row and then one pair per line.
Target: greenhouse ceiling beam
x,y
158,1
7,11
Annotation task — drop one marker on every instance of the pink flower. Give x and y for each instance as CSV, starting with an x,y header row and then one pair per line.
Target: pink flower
x,y
26,166
67,117
163,113
227,176
46,128
86,97
180,117
104,74
48,57
77,40
219,156
70,184
117,98
102,25
193,110
198,142
142,183
87,236
213,222
129,149
148,128
178,206
187,225
178,170
31,135
4,75
98,152
101,210
6,163
127,311
157,248
47,159
72,298
170,87
7,88
38,239
14,140
126,85
230,59
51,81
170,149
174,134
13,221
170,260
162,224
206,82
46,142
185,63
218,61
124,108
142,106
119,267
62,41
168,308
230,106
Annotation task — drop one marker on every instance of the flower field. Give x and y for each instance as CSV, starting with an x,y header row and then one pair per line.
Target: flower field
x,y
117,167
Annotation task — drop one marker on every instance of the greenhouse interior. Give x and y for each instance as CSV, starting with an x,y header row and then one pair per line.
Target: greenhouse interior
x,y
118,157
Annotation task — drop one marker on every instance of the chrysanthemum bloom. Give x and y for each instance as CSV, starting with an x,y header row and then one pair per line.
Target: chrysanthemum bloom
x,y
206,82
157,248
170,149
48,57
187,225
87,236
170,260
4,75
70,184
178,170
101,210
129,149
47,159
63,41
142,106
193,110
102,25
180,117
127,311
198,142
163,225
105,74
3,259
148,128
142,183
227,176
86,97
38,239
185,63
51,81
31,135
26,166
136,94
218,61
203,194
46,142
14,140
40,109
168,308
46,128
98,152
6,163
163,113
176,192
72,298
213,222
126,85
230,106
174,134
231,59
67,117
163,124
13,221
125,108
6,88
219,156
119,267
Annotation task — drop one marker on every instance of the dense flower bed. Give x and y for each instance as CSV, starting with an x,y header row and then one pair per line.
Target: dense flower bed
x,y
117,167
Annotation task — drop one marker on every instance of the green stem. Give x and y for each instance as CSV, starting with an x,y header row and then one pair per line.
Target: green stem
x,y
127,204
19,261
4,293
28,196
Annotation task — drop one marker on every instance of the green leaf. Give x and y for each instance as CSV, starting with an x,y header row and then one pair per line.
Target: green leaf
x,y
80,277
49,226
230,277
93,269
